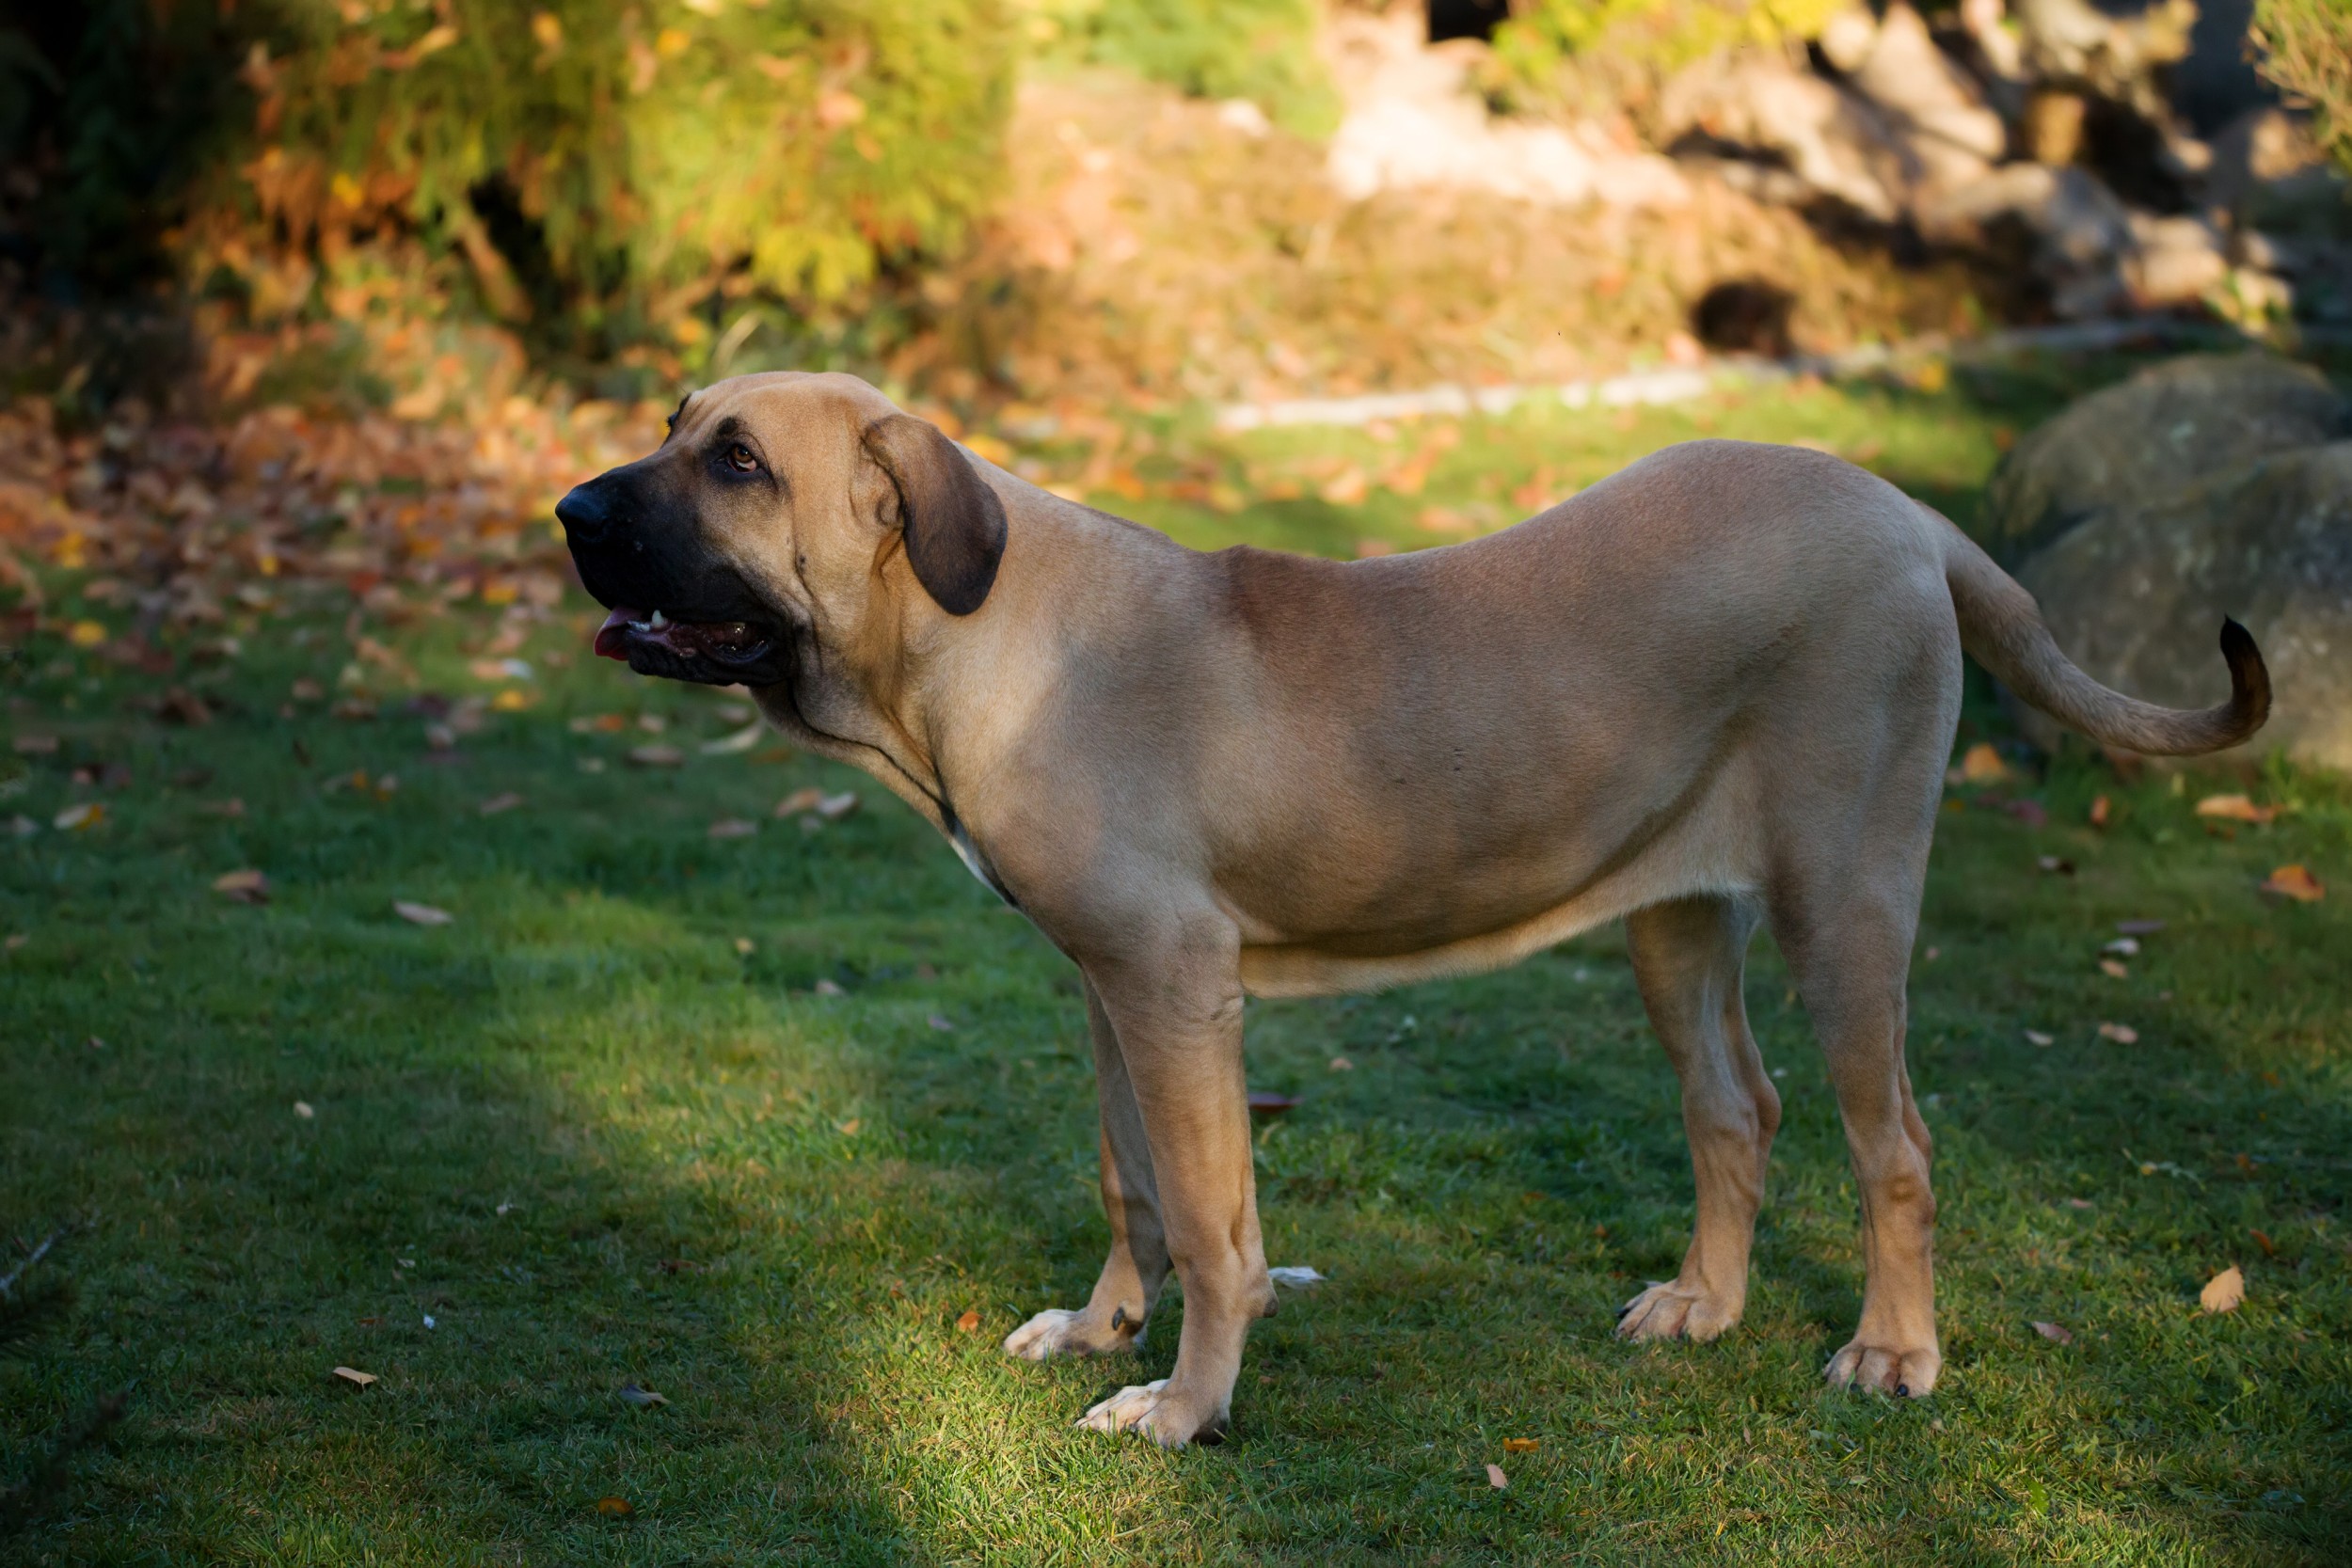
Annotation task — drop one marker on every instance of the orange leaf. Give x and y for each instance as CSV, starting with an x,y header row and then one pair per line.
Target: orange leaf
x,y
1521,1445
618,1507
2224,1291
1981,764
2235,808
2295,882
1495,1479
353,1374
968,1323
245,887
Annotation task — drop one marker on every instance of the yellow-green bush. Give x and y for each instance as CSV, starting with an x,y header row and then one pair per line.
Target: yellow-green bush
x,y
2306,47
1261,50
1546,38
588,154
799,144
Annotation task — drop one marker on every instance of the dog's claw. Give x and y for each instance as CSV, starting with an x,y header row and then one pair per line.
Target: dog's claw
x,y
1123,1410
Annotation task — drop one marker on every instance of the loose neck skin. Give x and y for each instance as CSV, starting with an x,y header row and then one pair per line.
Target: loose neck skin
x,y
932,705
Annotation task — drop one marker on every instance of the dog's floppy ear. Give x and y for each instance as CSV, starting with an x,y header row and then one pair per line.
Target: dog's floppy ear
x,y
953,524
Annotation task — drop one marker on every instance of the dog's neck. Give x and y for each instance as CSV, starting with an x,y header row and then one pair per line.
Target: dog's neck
x,y
931,705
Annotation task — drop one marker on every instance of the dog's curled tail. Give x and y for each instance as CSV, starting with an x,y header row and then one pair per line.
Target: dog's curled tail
x,y
2002,627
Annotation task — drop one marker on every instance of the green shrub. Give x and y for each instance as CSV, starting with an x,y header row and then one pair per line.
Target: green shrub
x,y
2305,46
1261,50
1619,38
591,155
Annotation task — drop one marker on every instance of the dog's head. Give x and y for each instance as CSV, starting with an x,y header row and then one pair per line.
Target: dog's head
x,y
779,505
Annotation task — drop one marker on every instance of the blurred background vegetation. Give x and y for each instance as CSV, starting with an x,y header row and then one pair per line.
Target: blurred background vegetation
x,y
629,194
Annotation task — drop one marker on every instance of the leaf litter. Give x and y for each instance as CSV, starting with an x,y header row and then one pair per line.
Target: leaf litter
x,y
2224,1292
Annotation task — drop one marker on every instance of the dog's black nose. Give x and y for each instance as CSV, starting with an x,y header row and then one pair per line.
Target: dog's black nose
x,y
583,513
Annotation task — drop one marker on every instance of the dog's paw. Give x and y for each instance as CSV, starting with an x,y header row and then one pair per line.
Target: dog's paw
x,y
1673,1310
1886,1369
1061,1331
1148,1410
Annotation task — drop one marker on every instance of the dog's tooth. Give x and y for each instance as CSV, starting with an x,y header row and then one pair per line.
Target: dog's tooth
x,y
658,622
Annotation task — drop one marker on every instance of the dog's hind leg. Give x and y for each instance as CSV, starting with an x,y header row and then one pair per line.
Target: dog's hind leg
x,y
1113,1319
1688,957
1847,929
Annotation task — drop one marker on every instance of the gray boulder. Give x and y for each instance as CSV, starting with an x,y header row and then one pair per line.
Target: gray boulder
x,y
2136,594
2144,442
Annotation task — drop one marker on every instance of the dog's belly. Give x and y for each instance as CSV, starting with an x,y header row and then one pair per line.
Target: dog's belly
x,y
1705,848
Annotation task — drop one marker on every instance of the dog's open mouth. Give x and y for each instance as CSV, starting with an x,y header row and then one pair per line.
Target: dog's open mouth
x,y
717,653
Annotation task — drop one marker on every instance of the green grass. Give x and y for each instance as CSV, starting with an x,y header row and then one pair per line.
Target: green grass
x,y
599,1146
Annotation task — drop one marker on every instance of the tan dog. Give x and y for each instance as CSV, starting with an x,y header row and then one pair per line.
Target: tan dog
x,y
1715,690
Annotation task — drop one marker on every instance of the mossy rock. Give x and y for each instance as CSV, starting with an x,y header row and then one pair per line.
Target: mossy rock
x,y
2135,596
2146,441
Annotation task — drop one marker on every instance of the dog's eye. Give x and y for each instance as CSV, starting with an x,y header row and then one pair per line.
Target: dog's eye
x,y
739,458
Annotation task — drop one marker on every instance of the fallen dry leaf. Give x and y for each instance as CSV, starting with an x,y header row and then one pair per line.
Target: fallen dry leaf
x,y
1521,1445
2139,928
82,817
941,1022
2113,969
732,827
1495,1479
833,808
798,801
2100,812
657,755
1265,1103
233,807
302,1108
505,800
2262,1239
969,1322
2055,1333
353,1374
618,1507
2235,808
1341,1063
2121,1034
743,946
420,915
741,741
2036,1037
35,745
2288,881
848,1128
1299,1277
247,887
2122,948
2224,1291
2056,865
645,1399
828,988
1981,765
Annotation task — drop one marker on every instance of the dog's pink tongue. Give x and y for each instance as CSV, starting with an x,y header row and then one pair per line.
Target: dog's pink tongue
x,y
611,641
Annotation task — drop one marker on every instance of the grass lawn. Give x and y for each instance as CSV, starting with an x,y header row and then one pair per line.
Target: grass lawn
x,y
603,1129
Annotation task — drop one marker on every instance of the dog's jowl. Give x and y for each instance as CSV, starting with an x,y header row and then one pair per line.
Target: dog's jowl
x,y
1713,692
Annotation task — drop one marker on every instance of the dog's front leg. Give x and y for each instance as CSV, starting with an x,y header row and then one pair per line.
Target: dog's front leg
x,y
1177,1016
1113,1320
